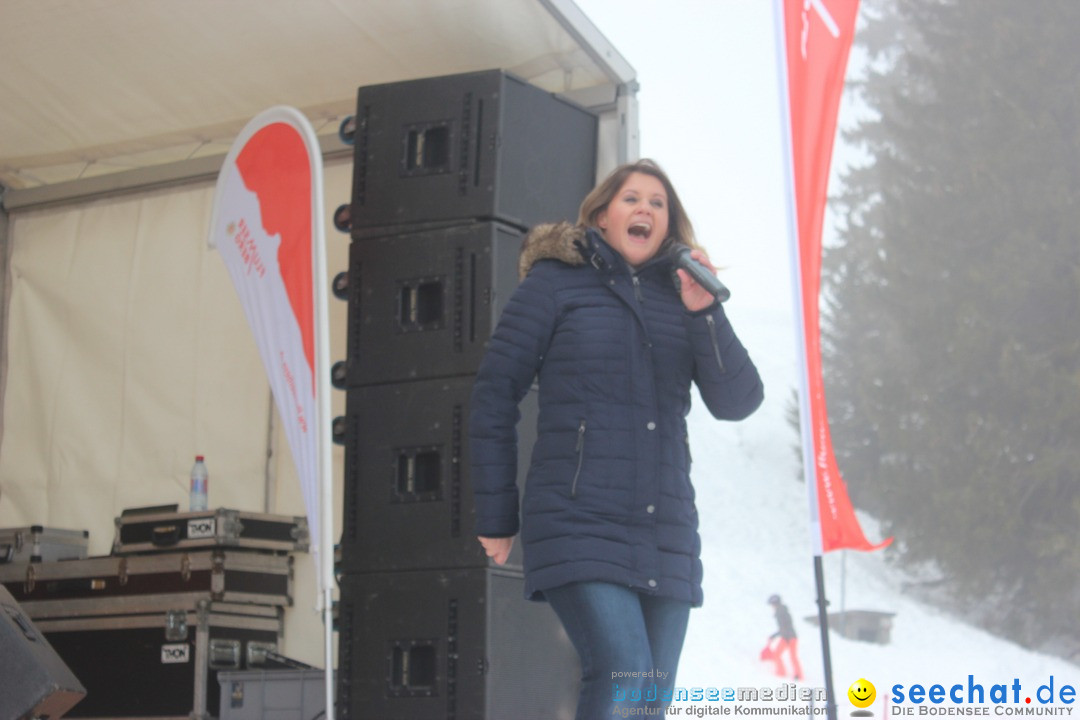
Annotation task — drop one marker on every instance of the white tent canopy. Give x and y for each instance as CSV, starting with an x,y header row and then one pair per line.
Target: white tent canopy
x,y
100,86
123,348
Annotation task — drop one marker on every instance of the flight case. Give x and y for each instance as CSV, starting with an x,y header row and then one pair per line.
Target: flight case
x,y
160,664
149,583
36,543
163,529
293,694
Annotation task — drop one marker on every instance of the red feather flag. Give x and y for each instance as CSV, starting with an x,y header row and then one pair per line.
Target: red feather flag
x,y
817,36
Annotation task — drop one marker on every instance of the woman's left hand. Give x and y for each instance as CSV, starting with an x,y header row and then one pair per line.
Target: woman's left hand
x,y
694,296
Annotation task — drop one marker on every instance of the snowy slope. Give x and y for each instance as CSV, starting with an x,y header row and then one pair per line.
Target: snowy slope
x,y
756,542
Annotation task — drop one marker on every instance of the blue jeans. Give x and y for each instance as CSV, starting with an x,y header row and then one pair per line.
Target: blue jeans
x,y
619,633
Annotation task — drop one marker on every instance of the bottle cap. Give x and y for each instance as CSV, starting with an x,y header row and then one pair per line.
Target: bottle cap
x,y
198,458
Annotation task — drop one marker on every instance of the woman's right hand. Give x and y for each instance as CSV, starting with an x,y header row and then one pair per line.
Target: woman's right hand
x,y
498,549
694,296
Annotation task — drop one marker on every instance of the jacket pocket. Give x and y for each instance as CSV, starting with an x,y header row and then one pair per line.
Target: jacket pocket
x,y
711,322
579,448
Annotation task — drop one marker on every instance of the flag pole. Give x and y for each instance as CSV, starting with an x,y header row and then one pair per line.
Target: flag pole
x,y
325,541
826,653
805,426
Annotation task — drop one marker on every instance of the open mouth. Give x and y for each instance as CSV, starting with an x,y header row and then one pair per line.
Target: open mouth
x,y
640,230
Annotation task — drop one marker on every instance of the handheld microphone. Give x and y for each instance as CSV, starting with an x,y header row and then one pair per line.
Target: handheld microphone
x,y
700,273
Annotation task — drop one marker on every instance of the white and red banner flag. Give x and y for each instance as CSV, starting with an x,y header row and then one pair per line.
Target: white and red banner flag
x,y
815,43
268,226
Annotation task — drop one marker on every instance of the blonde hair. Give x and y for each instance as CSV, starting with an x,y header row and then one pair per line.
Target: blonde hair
x,y
679,228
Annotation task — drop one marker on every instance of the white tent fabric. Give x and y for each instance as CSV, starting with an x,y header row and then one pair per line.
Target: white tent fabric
x,y
98,86
129,355
124,351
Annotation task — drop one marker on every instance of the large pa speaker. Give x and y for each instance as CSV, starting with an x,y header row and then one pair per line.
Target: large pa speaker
x,y
451,644
471,146
408,493
422,304
34,681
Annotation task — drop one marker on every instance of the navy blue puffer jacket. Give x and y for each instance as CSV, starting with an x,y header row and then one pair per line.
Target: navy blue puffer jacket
x,y
608,494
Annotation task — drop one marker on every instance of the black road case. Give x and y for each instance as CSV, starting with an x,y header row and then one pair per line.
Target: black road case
x,y
36,543
164,664
150,530
148,583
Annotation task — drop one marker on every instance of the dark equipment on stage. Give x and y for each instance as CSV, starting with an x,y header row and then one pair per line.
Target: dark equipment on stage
x,y
164,529
483,145
449,174
413,508
160,664
34,681
149,583
460,644
426,302
184,596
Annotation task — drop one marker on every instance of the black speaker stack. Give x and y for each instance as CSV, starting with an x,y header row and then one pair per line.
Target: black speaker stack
x,y
449,174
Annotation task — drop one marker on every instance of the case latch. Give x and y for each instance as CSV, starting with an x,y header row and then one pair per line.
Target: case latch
x,y
176,625
225,654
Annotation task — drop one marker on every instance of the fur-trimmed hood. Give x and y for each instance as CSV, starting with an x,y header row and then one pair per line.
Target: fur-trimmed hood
x,y
553,241
571,244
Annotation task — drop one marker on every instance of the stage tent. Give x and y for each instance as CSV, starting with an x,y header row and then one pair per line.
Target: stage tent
x,y
124,351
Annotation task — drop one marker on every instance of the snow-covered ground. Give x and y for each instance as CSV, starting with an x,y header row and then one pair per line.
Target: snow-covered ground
x,y
755,536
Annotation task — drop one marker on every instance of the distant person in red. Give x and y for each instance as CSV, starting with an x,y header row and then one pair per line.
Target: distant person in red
x,y
785,640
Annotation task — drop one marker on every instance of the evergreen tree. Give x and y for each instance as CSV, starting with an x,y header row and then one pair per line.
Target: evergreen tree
x,y
952,327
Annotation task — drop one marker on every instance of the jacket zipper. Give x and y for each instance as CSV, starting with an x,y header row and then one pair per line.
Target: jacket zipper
x,y
715,341
637,289
580,449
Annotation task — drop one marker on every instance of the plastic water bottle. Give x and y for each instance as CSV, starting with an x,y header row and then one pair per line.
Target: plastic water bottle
x,y
200,484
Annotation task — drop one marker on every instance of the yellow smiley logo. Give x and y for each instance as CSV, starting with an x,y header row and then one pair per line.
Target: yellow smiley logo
x,y
862,693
